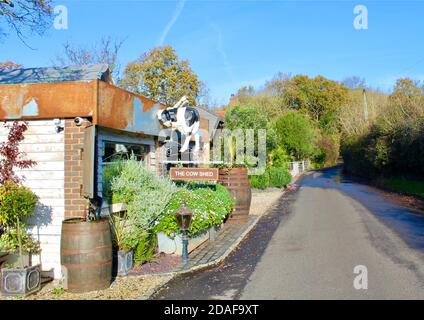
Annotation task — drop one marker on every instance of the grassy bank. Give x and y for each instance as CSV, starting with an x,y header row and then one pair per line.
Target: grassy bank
x,y
404,185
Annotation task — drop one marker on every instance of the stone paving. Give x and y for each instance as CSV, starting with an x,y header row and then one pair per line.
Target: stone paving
x,y
213,251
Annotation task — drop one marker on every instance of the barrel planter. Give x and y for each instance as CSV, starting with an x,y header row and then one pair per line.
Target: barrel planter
x,y
86,255
236,181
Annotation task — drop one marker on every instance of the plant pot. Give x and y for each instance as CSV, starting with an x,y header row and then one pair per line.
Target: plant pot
x,y
125,262
212,233
20,282
15,261
236,181
174,246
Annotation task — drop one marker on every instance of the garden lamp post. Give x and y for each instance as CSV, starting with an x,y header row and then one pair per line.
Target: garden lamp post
x,y
184,216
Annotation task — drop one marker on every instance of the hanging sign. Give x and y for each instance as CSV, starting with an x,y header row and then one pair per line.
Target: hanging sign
x,y
197,174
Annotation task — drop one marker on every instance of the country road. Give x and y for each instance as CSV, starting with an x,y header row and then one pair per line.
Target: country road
x,y
309,245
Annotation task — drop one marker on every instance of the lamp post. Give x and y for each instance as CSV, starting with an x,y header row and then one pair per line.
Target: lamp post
x,y
184,216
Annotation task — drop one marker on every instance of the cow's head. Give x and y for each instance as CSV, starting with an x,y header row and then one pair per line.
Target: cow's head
x,y
165,118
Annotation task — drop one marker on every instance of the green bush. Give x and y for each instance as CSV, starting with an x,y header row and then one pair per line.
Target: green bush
x,y
259,181
146,196
328,150
17,203
296,134
211,204
9,242
145,247
279,158
277,177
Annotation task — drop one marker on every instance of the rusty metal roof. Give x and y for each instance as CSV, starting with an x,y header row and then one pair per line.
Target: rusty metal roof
x,y
56,74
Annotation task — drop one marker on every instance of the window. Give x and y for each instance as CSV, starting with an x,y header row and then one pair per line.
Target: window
x,y
113,151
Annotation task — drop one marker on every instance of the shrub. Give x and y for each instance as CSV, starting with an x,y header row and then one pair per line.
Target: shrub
x,y
211,204
11,156
120,230
145,248
146,195
259,181
328,152
9,242
277,177
296,134
279,157
16,203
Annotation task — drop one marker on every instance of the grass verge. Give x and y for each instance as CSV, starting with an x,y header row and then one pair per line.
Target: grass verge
x,y
404,185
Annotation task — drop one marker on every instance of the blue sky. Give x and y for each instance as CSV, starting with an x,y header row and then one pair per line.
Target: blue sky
x,y
235,43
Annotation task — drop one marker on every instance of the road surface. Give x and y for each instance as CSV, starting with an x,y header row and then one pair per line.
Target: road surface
x,y
309,245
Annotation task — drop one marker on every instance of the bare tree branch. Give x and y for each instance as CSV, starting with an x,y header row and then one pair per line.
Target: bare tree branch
x,y
26,16
106,51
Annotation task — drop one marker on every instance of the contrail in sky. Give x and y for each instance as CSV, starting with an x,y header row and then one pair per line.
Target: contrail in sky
x,y
171,22
222,53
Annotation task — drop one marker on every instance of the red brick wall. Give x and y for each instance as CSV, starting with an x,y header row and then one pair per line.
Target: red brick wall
x,y
75,203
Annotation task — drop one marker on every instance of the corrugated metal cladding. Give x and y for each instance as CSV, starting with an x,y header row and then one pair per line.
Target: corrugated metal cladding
x,y
56,74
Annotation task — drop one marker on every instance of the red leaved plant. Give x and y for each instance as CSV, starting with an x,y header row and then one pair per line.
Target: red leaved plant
x,y
10,155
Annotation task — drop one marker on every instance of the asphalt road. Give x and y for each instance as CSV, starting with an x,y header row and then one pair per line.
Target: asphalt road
x,y
309,245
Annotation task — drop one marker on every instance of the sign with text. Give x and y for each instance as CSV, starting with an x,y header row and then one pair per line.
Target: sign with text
x,y
198,174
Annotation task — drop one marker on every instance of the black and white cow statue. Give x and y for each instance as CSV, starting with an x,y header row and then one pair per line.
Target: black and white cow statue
x,y
184,119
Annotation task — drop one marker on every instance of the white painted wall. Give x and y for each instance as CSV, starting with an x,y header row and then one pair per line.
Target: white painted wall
x,y
46,179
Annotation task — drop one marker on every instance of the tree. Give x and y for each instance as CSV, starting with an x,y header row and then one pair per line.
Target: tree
x,y
104,52
160,75
9,65
250,117
354,82
244,93
278,84
319,97
26,16
406,88
296,134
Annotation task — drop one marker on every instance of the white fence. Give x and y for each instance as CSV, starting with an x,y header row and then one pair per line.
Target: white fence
x,y
298,167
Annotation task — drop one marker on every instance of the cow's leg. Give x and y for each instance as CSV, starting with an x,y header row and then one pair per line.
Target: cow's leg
x,y
186,142
196,142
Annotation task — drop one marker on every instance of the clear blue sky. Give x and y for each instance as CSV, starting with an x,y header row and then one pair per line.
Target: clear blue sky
x,y
236,43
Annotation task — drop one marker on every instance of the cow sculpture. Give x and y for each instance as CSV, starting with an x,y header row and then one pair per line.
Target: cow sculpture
x,y
184,119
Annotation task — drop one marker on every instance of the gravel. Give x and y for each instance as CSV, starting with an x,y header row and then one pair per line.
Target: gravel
x,y
262,200
123,288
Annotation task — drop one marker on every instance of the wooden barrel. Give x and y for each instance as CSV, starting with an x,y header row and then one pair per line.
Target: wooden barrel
x,y
86,254
236,181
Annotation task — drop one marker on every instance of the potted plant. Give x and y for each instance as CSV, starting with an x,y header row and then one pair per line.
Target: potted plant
x,y
16,203
124,254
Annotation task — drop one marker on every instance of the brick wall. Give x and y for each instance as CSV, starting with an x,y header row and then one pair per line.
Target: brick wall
x,y
75,203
